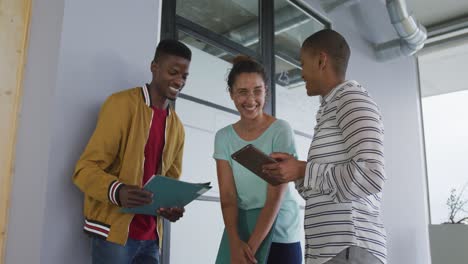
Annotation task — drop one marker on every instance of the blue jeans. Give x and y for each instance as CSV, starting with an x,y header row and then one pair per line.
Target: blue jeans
x,y
281,253
134,252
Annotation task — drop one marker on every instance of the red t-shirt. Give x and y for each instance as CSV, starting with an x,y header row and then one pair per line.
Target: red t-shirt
x,y
143,227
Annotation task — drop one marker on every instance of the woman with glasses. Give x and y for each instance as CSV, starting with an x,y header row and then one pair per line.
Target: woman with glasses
x,y
279,212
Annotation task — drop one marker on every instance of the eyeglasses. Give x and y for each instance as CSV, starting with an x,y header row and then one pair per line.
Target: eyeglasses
x,y
257,93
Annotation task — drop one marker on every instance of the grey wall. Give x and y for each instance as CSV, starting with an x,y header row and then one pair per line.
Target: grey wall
x,y
100,48
394,85
34,135
106,46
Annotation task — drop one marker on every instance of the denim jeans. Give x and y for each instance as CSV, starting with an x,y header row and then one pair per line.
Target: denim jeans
x,y
134,252
354,255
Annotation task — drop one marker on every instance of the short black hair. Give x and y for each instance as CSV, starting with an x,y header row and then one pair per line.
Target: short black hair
x,y
172,47
333,44
244,64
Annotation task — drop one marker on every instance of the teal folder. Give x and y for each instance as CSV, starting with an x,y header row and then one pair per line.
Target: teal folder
x,y
169,193
247,219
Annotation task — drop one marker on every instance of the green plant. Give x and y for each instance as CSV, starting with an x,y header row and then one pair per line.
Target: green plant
x,y
456,204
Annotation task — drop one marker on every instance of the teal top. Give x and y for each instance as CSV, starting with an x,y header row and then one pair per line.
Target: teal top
x,y
251,189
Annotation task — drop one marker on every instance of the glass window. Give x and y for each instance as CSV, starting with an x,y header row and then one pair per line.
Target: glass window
x,y
445,129
205,47
444,93
235,19
208,72
292,27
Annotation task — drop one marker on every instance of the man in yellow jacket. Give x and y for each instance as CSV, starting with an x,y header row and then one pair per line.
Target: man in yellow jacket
x,y
137,135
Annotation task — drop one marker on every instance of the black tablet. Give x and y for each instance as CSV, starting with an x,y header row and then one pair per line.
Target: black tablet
x,y
253,159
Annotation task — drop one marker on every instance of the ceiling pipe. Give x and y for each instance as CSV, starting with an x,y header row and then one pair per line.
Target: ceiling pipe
x,y
412,34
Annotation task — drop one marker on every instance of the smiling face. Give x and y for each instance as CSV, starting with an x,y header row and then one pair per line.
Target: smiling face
x,y
169,75
248,94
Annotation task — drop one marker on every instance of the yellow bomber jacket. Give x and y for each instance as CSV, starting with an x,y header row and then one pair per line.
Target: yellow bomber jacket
x,y
115,156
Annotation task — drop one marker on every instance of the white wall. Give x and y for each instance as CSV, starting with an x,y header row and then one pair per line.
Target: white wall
x,y
394,85
195,238
105,46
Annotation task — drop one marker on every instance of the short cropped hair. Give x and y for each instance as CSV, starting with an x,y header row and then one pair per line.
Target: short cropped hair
x,y
333,44
172,47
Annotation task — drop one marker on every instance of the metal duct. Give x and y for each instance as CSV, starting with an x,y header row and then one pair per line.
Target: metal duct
x,y
412,34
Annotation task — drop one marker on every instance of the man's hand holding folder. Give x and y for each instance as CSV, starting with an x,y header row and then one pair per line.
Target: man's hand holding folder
x,y
172,214
168,197
133,196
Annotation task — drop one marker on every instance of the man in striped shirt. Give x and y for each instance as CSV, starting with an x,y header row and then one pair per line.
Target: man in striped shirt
x,y
343,177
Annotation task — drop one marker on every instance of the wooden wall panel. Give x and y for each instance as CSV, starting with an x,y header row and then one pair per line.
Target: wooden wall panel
x,y
14,30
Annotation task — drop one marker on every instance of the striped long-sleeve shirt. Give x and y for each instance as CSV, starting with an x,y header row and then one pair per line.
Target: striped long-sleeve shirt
x,y
344,177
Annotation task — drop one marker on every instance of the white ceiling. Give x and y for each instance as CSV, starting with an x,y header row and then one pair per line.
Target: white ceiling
x,y
433,12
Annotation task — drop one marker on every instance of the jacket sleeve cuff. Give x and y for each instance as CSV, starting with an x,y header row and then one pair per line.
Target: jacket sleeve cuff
x,y
113,193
